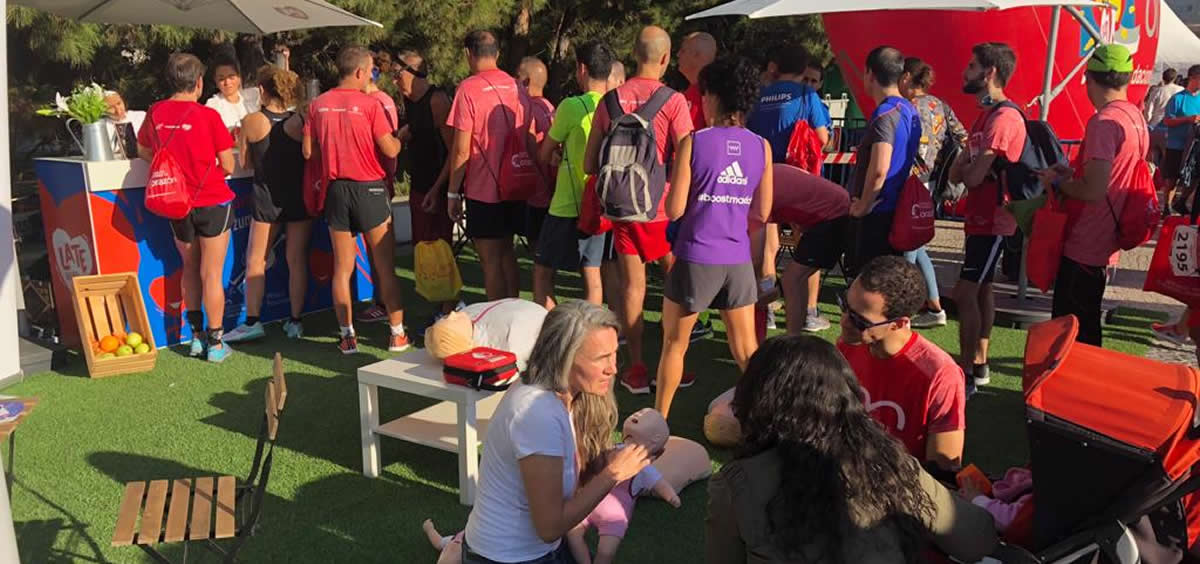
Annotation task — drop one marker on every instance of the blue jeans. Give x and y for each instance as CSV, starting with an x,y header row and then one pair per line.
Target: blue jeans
x,y
560,555
920,257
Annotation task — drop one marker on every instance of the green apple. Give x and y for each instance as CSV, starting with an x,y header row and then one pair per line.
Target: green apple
x,y
141,348
134,339
124,350
105,355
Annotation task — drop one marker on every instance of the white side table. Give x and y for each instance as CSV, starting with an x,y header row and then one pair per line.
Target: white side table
x,y
454,425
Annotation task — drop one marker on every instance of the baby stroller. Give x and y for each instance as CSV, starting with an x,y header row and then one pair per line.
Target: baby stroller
x,y
1114,442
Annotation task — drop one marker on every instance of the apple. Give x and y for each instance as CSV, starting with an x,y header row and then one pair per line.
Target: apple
x,y
134,339
105,355
124,350
141,348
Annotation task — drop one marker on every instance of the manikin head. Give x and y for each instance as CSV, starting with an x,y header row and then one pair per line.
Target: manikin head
x,y
647,427
451,335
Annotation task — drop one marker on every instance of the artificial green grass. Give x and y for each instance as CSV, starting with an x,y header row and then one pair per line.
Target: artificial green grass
x,y
188,418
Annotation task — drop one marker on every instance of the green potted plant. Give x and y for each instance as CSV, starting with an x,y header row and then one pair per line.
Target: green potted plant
x,y
86,106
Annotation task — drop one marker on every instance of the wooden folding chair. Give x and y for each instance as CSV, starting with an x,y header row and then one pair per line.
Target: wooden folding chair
x,y
205,509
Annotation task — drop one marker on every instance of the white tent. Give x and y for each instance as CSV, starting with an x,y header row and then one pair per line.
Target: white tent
x,y
243,16
1178,46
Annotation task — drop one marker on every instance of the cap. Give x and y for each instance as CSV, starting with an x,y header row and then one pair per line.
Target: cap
x,y
1111,58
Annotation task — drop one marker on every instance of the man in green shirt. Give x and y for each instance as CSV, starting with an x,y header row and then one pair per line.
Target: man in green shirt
x,y
559,246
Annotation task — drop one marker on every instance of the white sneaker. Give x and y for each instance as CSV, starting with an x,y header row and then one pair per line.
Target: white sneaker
x,y
815,323
928,319
245,333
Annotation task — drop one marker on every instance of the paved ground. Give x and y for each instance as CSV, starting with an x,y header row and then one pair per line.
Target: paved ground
x,y
1124,290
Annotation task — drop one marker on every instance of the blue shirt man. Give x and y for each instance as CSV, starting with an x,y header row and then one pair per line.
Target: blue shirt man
x,y
895,122
1180,109
780,106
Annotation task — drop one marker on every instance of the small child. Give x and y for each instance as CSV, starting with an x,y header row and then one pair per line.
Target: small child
x,y
611,517
1010,502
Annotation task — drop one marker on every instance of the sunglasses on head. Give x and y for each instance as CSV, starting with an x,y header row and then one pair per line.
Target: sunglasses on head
x,y
858,321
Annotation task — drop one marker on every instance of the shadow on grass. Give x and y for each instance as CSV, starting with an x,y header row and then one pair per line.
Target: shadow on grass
x,y
61,539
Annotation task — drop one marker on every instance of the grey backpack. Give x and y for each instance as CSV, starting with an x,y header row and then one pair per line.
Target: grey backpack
x,y
631,182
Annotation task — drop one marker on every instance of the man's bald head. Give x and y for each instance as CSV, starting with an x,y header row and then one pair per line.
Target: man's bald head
x,y
698,50
653,46
532,72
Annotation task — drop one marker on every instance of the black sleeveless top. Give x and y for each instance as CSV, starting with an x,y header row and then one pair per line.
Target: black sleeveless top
x,y
278,159
426,151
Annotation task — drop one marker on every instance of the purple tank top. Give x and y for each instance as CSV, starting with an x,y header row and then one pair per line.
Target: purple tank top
x,y
727,164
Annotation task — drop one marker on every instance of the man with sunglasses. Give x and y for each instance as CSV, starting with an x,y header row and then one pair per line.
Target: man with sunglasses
x,y
912,387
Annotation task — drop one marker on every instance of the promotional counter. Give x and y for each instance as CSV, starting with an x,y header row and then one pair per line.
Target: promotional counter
x,y
95,224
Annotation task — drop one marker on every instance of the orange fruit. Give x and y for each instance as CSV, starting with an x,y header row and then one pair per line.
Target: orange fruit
x,y
109,343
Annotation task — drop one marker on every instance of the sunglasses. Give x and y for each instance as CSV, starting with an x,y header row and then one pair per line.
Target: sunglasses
x,y
858,321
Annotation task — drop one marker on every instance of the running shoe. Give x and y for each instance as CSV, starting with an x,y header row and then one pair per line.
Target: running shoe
x,y
1168,332
398,343
293,329
981,374
348,344
219,354
701,331
814,322
929,319
197,349
636,380
372,314
245,333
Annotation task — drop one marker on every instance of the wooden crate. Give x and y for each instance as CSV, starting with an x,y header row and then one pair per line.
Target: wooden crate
x,y
110,304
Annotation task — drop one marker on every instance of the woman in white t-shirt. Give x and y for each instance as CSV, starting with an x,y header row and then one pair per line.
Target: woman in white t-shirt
x,y
232,101
528,499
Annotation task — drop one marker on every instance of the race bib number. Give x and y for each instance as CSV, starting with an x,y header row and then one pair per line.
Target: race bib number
x,y
1183,252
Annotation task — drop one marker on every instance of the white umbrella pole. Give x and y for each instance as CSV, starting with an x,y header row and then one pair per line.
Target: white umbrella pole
x,y
10,354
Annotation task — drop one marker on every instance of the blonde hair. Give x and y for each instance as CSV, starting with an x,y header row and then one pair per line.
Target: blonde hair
x,y
281,84
595,418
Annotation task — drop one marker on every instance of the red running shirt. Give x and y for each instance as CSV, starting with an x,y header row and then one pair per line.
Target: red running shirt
x,y
345,123
917,393
196,134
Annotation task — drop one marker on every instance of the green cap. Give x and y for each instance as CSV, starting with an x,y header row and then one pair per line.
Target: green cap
x,y
1111,58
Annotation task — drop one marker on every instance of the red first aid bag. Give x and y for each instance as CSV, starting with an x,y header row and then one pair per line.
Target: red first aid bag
x,y
591,211
1046,241
1175,268
804,150
912,224
481,368
167,191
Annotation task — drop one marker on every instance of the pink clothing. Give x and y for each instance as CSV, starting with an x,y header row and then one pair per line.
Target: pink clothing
x,y
488,105
672,122
1011,494
393,119
1117,134
543,115
611,516
345,124
1003,132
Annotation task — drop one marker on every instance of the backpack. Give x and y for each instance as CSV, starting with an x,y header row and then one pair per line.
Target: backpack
x,y
167,192
1138,220
912,224
632,181
1042,150
804,150
519,175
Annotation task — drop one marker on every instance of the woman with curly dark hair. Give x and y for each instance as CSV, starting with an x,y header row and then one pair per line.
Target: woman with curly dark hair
x,y
853,495
721,178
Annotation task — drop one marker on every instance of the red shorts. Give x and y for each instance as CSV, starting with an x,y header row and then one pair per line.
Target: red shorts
x,y
429,226
645,240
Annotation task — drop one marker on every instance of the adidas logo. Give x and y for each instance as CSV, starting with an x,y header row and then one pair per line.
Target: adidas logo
x,y
733,175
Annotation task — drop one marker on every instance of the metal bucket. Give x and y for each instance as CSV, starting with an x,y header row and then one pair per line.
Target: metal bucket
x,y
96,144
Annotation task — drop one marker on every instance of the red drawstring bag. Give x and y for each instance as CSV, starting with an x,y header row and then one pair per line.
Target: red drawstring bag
x,y
167,191
1046,242
591,211
912,224
1175,268
804,150
520,177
